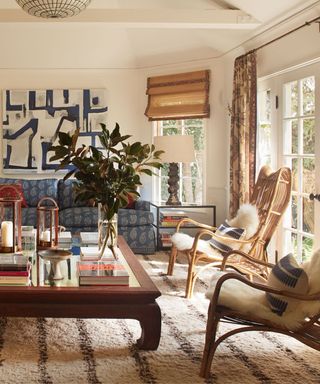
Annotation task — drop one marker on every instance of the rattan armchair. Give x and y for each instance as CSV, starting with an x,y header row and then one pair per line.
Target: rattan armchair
x,y
308,331
271,196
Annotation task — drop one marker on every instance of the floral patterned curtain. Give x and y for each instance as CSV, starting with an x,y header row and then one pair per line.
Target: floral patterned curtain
x,y
243,131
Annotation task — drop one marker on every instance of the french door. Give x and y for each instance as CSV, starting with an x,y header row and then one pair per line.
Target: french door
x,y
289,134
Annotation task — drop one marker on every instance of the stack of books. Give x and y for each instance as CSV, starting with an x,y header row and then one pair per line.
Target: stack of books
x,y
93,254
64,237
166,239
171,218
14,269
107,272
89,238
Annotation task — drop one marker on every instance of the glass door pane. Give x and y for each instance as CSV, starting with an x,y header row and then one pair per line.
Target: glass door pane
x,y
298,123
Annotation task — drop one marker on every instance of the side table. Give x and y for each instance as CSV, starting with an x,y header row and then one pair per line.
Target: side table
x,y
159,208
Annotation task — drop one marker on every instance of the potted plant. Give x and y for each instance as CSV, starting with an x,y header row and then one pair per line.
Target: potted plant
x,y
107,176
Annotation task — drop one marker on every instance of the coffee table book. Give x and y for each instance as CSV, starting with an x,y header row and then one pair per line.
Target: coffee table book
x,y
13,262
92,254
14,270
89,238
65,237
108,272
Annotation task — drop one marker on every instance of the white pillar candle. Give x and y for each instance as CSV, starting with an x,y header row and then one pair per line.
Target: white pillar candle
x,y
7,234
45,235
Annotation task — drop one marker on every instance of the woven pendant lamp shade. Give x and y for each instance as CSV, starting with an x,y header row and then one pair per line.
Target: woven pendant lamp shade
x,y
53,9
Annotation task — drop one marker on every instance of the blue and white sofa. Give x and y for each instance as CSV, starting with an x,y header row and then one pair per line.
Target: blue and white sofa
x,y
135,225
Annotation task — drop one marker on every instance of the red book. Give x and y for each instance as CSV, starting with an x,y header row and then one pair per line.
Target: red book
x,y
14,273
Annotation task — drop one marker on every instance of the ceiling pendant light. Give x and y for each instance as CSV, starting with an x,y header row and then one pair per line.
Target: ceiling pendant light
x,y
53,9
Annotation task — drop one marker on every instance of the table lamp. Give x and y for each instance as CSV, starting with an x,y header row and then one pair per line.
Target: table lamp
x,y
177,149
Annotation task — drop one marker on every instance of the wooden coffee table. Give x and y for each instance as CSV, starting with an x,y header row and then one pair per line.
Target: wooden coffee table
x,y
66,299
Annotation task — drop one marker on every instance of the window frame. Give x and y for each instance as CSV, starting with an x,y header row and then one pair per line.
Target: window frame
x,y
156,180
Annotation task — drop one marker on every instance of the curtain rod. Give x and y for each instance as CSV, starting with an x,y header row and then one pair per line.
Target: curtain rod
x,y
306,24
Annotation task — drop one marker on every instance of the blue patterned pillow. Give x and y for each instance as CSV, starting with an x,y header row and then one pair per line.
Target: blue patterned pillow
x,y
226,230
287,276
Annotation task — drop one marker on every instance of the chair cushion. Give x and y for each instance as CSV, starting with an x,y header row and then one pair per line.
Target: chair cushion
x,y
13,190
287,276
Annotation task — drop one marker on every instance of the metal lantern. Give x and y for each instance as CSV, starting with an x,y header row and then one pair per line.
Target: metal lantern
x,y
10,224
47,223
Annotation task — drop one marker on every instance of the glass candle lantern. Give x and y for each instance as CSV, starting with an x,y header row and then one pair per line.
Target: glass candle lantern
x,y
10,224
47,223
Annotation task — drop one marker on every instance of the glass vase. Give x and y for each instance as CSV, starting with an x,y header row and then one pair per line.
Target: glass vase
x,y
107,231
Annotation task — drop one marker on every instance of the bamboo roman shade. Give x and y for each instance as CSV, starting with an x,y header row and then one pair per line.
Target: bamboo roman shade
x,y
180,96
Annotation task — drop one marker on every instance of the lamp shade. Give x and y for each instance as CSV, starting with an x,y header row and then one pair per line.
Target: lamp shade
x,y
178,148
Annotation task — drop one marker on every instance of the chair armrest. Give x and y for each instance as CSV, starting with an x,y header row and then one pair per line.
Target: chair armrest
x,y
187,220
246,256
231,240
142,205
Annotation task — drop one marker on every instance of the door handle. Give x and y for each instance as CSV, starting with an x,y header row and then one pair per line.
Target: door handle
x,y
313,196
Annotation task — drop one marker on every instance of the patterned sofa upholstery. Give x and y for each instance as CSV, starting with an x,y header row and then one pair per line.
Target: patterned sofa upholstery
x,y
135,225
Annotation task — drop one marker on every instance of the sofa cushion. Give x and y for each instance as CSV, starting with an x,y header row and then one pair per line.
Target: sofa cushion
x,y
79,217
66,195
133,218
29,216
34,190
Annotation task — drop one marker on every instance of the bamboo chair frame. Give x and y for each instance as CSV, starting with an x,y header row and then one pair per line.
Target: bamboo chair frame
x,y
308,333
271,195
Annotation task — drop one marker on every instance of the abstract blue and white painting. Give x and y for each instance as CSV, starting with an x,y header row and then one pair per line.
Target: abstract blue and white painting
x,y
32,120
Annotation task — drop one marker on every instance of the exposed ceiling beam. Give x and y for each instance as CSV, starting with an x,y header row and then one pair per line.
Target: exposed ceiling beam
x,y
149,18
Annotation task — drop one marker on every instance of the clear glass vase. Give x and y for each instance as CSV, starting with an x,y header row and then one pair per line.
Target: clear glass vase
x,y
107,231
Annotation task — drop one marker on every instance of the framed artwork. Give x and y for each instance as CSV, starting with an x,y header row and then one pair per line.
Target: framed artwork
x,y
32,120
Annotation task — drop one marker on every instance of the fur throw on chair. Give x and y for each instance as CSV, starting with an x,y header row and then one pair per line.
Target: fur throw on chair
x,y
247,300
246,218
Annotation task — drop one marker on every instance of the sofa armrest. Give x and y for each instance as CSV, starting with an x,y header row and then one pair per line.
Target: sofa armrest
x,y
142,205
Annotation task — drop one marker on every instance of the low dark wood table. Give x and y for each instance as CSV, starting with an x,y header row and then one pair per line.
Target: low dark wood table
x,y
66,299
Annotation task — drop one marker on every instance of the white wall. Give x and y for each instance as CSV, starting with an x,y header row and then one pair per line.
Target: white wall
x,y
122,89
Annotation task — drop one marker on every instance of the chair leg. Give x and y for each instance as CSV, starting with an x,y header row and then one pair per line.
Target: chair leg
x,y
210,344
191,279
172,260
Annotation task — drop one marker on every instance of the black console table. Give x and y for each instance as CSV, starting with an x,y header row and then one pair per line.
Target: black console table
x,y
175,210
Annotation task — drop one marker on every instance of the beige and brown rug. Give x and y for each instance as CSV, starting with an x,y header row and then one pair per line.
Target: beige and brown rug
x,y
63,351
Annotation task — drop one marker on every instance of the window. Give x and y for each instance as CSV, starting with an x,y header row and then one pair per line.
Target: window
x,y
298,124
263,129
292,119
191,175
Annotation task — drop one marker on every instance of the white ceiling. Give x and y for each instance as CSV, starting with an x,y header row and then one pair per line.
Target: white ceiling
x,y
135,33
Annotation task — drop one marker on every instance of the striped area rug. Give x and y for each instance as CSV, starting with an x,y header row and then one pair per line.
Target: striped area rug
x,y
62,351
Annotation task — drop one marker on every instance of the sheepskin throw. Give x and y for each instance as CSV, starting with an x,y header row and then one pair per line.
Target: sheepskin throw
x,y
247,219
247,300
